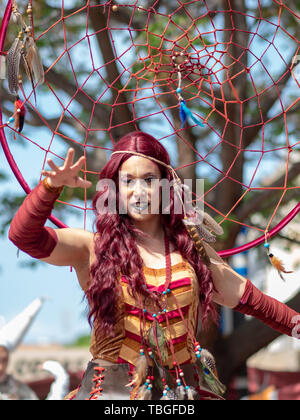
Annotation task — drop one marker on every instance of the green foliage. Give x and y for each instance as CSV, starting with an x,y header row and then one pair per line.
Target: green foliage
x,y
83,341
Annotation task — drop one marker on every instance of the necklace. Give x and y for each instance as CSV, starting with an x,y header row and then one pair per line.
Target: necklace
x,y
158,298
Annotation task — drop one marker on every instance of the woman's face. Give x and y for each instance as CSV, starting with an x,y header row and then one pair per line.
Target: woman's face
x,y
139,188
3,362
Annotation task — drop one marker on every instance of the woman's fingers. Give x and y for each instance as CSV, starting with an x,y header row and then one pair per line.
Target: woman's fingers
x,y
52,165
69,158
78,165
81,183
49,173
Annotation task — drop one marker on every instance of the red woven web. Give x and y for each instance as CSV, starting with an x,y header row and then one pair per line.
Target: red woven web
x,y
132,85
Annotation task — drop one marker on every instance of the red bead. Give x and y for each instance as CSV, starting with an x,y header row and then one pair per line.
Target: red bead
x,y
174,363
163,379
152,378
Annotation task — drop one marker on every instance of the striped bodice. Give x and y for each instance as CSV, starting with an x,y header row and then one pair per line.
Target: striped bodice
x,y
181,301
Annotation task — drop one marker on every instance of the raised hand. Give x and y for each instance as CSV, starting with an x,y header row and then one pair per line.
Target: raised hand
x,y
67,175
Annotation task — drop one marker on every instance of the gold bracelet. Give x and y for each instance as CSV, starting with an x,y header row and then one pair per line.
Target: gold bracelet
x,y
55,190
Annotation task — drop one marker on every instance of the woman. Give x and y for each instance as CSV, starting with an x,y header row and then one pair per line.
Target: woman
x,y
146,283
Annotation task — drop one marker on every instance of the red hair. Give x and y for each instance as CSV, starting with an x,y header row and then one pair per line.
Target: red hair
x,y
115,246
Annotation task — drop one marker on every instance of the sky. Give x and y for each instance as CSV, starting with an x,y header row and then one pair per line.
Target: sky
x,y
63,316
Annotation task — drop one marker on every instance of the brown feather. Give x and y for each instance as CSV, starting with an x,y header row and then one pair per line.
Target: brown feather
x,y
13,65
279,266
34,60
28,72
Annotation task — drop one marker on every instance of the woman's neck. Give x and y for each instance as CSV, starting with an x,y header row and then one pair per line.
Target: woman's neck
x,y
153,228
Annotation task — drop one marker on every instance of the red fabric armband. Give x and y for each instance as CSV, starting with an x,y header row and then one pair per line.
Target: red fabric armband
x,y
270,311
27,230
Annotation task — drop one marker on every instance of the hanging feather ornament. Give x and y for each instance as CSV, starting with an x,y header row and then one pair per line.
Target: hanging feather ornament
x,y
28,50
158,341
20,112
198,223
140,371
276,263
209,370
185,112
33,58
13,64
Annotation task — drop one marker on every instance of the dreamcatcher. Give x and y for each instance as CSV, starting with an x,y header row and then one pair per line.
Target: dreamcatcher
x,y
205,70
191,59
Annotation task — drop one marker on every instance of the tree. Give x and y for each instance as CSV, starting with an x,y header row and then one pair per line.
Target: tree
x,y
110,101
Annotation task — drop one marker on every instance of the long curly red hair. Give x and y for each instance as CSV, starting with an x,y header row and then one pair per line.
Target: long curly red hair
x,y
115,245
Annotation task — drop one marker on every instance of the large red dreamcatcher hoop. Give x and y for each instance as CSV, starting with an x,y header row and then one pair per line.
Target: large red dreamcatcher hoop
x,y
182,61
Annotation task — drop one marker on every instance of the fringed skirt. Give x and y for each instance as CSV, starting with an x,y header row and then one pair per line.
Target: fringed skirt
x,y
105,381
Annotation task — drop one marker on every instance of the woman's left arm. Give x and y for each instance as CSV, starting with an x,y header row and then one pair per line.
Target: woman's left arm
x,y
229,285
238,293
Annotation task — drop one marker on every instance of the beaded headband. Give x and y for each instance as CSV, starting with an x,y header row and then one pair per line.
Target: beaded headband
x,y
175,176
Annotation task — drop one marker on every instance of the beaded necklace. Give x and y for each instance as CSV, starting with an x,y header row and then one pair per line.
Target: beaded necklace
x,y
154,346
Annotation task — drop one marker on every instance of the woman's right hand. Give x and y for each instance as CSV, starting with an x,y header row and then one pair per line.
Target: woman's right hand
x,y
67,175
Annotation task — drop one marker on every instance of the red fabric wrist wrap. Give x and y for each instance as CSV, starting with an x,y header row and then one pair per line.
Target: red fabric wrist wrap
x,y
27,230
269,310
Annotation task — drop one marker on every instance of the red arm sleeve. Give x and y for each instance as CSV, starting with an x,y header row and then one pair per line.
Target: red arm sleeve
x,y
27,230
269,310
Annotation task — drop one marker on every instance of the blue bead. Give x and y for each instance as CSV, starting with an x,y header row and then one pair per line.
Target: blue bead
x,y
267,245
165,310
198,355
144,310
168,291
11,119
179,90
154,315
187,387
164,293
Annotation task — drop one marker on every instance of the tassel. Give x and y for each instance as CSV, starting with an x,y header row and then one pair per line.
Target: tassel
x,y
208,365
278,265
13,65
185,112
